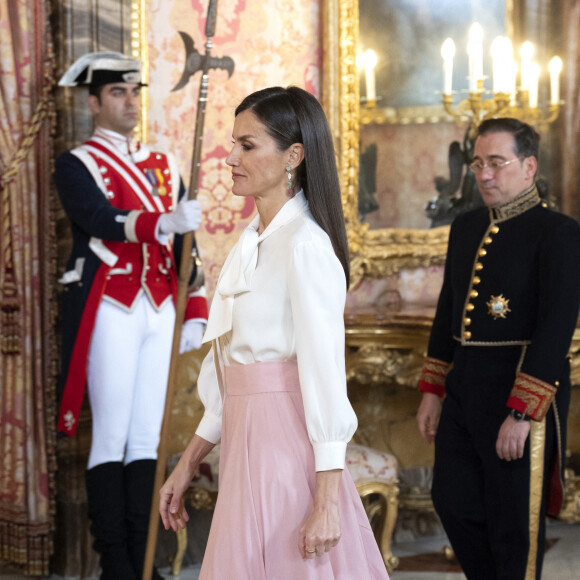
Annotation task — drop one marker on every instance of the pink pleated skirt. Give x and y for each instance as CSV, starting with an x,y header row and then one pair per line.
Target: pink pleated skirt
x,y
266,489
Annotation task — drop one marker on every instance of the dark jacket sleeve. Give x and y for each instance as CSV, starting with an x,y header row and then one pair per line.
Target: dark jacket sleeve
x,y
441,344
558,302
84,203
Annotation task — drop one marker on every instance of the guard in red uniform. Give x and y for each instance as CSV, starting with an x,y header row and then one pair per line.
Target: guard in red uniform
x,y
118,304
497,359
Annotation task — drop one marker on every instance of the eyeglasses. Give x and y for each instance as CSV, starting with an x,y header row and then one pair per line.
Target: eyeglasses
x,y
494,165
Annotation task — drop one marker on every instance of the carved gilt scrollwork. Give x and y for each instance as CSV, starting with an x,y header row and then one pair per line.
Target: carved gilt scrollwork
x,y
380,364
571,504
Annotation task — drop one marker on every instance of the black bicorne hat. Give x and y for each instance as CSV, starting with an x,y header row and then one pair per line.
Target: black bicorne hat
x,y
96,69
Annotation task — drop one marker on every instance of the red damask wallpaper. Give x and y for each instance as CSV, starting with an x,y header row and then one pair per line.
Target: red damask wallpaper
x,y
272,43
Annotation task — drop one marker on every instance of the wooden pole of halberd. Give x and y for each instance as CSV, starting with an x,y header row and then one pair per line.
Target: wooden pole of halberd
x,y
185,270
186,267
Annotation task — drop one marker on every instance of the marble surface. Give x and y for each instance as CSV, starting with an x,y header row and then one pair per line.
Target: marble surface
x,y
562,561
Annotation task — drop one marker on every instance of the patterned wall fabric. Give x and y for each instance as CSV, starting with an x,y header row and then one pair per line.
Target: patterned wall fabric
x,y
275,42
27,461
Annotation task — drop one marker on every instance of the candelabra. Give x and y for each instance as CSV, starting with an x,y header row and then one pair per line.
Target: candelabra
x,y
505,101
475,108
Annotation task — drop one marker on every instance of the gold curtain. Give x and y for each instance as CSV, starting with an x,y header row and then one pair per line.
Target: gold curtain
x,y
27,342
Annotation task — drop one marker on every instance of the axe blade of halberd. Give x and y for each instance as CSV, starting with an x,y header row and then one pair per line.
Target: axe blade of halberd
x,y
195,61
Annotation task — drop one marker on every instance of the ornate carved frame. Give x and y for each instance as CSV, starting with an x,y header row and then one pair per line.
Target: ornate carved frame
x,y
374,253
139,50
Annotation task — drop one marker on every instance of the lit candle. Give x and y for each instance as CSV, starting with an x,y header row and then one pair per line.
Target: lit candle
x,y
555,68
534,79
526,54
512,73
499,65
475,54
370,61
447,53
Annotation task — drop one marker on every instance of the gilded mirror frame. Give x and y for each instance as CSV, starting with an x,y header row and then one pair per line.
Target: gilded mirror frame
x,y
374,253
139,50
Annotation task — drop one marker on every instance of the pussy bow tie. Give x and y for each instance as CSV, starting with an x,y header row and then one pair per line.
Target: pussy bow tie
x,y
238,270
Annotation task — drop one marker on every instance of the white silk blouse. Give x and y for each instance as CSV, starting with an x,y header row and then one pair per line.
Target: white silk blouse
x,y
281,296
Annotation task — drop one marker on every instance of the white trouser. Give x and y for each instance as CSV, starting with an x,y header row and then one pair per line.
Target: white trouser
x,y
128,368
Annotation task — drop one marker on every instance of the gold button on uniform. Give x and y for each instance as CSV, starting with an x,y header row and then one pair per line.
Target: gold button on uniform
x,y
469,307
487,240
494,229
467,335
478,266
482,252
467,321
473,294
476,279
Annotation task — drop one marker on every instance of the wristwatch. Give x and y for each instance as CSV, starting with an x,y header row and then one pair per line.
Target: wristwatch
x,y
518,415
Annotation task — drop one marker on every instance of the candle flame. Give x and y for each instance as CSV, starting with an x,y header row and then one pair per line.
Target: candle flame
x,y
448,49
369,59
555,66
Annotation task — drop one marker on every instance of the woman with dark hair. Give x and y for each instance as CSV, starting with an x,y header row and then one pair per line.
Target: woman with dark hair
x,y
273,384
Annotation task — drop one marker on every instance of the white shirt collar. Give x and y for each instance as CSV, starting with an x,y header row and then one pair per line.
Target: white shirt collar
x,y
126,145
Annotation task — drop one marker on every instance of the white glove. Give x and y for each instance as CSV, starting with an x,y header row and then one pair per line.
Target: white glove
x,y
191,335
184,218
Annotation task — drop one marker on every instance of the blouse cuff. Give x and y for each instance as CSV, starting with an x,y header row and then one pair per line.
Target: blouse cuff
x,y
210,427
329,455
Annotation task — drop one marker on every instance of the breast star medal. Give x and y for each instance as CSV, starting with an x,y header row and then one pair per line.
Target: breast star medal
x,y
498,306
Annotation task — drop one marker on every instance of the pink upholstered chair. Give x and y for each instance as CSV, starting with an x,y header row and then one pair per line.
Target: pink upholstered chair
x,y
375,475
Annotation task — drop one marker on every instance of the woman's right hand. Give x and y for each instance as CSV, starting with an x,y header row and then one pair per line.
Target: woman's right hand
x,y
171,506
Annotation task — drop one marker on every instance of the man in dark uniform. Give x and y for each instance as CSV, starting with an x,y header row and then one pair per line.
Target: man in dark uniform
x,y
498,355
118,304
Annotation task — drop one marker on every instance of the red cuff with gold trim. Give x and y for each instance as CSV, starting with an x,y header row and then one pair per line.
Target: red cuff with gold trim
x,y
196,308
433,376
531,396
145,227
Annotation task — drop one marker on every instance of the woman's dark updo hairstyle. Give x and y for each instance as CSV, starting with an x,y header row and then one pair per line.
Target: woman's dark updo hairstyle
x,y
293,115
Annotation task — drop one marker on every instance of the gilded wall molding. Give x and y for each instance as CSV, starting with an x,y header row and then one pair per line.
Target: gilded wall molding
x,y
403,115
374,253
139,50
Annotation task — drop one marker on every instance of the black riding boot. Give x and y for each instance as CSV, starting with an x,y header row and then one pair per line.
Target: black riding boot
x,y
106,501
139,484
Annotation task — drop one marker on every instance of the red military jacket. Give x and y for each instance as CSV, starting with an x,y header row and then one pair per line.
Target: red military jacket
x,y
114,201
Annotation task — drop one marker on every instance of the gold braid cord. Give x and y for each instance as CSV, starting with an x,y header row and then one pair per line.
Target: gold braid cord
x,y
30,133
537,458
11,336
